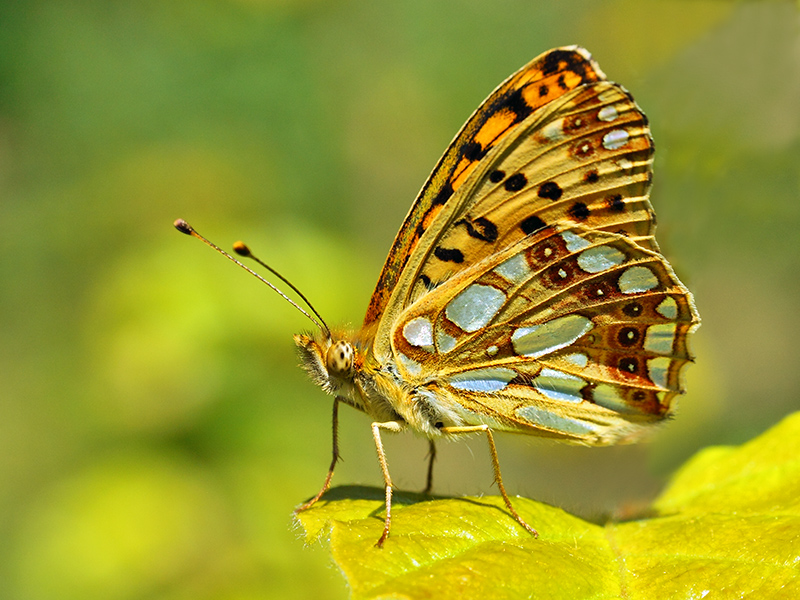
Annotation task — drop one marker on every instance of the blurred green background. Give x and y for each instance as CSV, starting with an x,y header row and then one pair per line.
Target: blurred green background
x,y
155,431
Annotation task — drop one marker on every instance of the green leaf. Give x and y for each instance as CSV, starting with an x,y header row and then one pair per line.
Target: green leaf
x,y
727,526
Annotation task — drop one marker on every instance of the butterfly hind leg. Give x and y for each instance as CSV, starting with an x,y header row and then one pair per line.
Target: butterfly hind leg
x,y
498,478
394,427
327,484
431,458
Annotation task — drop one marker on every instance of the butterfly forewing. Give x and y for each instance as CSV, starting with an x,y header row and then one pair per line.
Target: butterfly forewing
x,y
537,84
585,158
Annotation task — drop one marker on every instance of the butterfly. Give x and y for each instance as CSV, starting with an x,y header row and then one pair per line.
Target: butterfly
x,y
525,291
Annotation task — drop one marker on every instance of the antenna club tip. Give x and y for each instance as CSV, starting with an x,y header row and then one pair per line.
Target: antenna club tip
x,y
241,249
183,226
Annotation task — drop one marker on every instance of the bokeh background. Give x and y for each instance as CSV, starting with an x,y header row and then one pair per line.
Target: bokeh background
x,y
155,431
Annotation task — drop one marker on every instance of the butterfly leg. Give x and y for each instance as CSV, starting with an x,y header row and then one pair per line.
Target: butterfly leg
x,y
327,483
394,427
431,458
498,478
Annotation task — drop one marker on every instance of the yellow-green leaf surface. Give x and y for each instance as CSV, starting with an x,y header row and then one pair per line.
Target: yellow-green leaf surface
x,y
727,527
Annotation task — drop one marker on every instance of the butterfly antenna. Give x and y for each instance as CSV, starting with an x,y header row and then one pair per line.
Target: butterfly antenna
x,y
243,250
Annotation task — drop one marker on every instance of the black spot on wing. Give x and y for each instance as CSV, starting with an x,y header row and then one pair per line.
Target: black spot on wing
x,y
426,281
579,211
592,177
449,254
633,309
516,182
420,229
615,203
550,190
515,102
531,224
472,151
628,336
481,228
497,176
444,194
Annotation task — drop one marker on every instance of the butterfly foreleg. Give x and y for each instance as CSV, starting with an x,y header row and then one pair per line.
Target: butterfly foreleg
x,y
431,458
394,427
498,478
335,459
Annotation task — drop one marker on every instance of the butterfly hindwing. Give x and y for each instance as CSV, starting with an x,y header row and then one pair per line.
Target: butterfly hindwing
x,y
565,324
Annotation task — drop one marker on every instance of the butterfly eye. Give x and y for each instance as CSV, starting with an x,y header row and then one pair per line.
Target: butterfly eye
x,y
339,359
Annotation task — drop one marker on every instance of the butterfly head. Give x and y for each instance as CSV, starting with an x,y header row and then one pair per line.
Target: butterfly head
x,y
330,362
